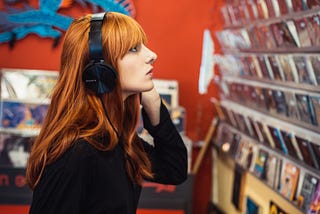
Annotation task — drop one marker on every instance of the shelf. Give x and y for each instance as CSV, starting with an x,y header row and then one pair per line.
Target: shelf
x,y
286,119
242,38
282,50
303,168
286,126
20,132
262,181
36,101
299,163
283,86
292,85
294,15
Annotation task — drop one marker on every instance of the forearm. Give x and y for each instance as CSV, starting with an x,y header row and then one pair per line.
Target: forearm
x,y
151,102
169,156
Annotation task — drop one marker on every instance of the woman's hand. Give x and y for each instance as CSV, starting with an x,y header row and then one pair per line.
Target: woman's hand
x,y
150,100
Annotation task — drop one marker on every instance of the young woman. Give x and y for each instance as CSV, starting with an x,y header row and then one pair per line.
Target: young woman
x,y
88,157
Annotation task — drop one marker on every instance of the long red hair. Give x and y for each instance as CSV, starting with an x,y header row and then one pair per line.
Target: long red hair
x,y
76,113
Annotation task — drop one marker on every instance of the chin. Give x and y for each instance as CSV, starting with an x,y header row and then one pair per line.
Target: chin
x,y
151,86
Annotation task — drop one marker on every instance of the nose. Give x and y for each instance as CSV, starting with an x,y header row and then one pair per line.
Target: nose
x,y
151,57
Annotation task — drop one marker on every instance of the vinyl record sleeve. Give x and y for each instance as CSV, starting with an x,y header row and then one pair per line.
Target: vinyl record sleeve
x,y
246,154
251,123
282,34
315,202
225,15
263,67
315,147
272,8
275,68
249,126
238,187
22,116
303,33
313,3
260,163
269,137
291,101
14,150
262,9
244,13
296,146
241,123
242,150
315,63
268,37
236,14
303,68
253,97
262,101
263,132
232,15
303,107
23,84
280,101
315,101
271,103
275,209
258,134
252,207
252,9
234,144
288,68
226,115
292,150
304,146
252,66
254,40
272,171
247,93
245,66
307,191
299,5
278,140
231,115
291,27
289,180
314,29
283,7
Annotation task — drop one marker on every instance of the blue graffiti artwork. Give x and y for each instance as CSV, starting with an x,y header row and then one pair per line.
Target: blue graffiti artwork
x,y
46,22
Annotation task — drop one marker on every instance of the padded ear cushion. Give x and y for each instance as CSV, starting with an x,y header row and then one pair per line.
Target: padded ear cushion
x,y
99,77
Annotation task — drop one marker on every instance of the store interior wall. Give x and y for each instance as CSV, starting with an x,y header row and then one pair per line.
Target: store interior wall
x,y
175,32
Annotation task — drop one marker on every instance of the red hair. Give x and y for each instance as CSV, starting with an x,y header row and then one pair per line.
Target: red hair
x,y
76,113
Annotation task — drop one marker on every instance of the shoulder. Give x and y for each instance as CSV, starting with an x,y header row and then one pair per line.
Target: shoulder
x,y
80,154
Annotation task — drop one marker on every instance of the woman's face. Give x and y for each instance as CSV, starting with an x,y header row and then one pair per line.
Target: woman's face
x,y
135,70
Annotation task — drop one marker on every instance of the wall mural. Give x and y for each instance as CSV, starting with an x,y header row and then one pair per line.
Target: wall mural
x,y
16,23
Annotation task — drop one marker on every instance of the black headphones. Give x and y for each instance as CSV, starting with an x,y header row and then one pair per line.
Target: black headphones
x,y
98,76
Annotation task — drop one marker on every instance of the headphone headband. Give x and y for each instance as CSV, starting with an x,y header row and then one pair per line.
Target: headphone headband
x,y
95,37
98,76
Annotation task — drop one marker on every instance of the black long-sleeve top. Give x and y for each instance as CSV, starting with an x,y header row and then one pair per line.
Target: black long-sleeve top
x,y
86,180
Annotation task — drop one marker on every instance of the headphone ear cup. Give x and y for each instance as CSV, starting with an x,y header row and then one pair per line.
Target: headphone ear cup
x,y
99,77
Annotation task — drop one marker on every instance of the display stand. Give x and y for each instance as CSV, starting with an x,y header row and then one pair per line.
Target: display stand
x,y
270,103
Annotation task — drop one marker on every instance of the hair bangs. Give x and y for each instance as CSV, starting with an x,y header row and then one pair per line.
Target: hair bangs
x,y
121,34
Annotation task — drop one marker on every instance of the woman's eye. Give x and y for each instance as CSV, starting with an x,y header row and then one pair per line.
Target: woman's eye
x,y
134,49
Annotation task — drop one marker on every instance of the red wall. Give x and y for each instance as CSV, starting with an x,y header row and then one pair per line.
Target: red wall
x,y
175,32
